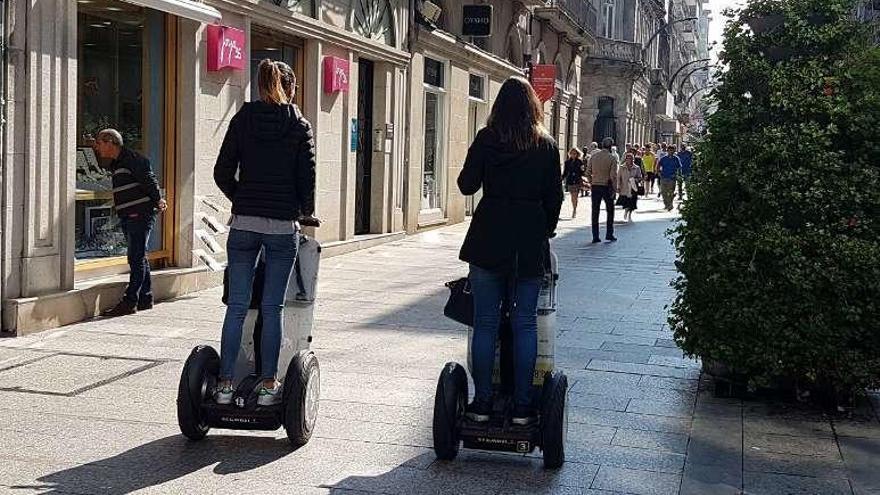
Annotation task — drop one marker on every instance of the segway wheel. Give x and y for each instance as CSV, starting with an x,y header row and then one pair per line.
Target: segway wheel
x,y
554,420
302,389
199,371
449,405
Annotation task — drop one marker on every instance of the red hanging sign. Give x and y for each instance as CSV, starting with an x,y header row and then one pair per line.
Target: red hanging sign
x,y
543,79
336,72
225,48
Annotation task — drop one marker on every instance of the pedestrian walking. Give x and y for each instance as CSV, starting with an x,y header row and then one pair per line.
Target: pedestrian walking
x,y
616,155
266,167
136,199
516,163
602,177
669,167
649,161
686,156
573,175
629,181
588,152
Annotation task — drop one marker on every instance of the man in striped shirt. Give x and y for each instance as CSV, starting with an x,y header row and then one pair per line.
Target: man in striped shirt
x,y
136,198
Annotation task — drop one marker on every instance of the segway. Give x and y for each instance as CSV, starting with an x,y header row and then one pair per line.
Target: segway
x,y
451,428
197,412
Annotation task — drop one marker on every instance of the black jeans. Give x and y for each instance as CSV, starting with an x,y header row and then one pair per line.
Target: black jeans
x,y
606,194
137,233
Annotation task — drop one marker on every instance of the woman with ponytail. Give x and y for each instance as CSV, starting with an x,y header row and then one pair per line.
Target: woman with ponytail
x,y
266,168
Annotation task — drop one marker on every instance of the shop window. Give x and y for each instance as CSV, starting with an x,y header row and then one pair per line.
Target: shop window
x,y
121,83
275,46
432,171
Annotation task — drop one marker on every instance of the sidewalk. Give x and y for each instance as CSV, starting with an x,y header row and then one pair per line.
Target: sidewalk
x,y
90,408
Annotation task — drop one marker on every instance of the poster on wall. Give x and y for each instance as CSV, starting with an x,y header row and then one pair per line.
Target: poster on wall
x,y
543,79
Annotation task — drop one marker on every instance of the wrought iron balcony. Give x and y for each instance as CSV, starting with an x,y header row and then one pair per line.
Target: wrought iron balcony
x,y
617,51
578,19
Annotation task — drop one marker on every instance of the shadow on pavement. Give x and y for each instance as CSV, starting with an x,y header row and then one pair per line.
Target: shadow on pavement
x,y
164,460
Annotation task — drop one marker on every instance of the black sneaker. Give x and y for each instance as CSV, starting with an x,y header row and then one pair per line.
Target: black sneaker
x,y
523,416
478,411
611,238
596,241
145,304
123,308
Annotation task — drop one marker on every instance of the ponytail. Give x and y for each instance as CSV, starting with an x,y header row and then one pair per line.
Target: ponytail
x,y
269,83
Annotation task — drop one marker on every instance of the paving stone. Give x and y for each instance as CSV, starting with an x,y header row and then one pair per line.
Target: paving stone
x,y
636,481
699,479
716,442
775,484
629,420
653,440
780,426
631,458
666,382
668,407
643,369
800,465
786,444
857,428
862,458
597,401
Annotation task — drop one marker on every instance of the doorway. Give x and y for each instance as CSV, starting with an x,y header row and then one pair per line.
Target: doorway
x,y
605,125
365,148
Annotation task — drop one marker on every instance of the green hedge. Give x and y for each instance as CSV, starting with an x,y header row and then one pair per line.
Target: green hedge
x,y
779,242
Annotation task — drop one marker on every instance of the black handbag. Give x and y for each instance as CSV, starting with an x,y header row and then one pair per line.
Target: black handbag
x,y
460,306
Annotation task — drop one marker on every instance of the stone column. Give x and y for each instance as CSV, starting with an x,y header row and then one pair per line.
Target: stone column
x,y
39,177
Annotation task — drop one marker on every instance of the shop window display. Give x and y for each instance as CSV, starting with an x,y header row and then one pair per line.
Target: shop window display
x,y
121,85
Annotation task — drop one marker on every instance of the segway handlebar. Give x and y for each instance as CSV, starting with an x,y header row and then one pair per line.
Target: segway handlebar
x,y
309,221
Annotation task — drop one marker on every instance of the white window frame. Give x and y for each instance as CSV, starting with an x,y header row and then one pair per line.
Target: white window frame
x,y
436,215
609,23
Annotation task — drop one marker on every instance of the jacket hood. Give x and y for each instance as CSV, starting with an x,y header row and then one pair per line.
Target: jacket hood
x,y
270,122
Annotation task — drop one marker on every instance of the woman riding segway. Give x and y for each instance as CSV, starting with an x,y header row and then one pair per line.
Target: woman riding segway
x,y
270,145
517,164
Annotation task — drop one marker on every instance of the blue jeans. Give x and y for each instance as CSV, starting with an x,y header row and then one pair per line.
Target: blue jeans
x,y
489,290
137,234
244,249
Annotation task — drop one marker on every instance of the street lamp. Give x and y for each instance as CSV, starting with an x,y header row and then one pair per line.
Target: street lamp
x,y
677,72
691,97
689,74
660,30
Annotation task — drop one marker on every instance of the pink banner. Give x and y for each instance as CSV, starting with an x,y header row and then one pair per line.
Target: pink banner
x,y
336,71
225,48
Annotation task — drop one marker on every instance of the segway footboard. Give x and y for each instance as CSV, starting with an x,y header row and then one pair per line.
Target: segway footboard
x,y
243,413
498,436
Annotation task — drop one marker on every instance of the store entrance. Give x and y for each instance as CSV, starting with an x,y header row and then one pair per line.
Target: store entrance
x,y
362,195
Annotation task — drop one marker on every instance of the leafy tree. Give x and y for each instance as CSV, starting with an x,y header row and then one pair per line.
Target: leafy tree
x,y
779,241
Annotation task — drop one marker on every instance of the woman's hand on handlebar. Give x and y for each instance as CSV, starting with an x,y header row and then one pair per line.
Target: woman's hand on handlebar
x,y
309,221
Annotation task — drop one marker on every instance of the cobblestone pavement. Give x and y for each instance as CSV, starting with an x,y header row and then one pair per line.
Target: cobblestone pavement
x,y
642,422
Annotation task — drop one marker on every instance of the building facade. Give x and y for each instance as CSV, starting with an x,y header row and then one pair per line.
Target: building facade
x,y
454,80
617,87
142,66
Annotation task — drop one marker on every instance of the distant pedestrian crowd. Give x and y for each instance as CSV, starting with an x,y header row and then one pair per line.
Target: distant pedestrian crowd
x,y
601,173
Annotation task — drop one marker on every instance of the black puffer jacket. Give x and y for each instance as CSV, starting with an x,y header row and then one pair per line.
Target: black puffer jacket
x,y
522,196
272,149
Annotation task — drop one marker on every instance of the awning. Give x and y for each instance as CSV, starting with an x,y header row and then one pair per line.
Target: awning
x,y
189,9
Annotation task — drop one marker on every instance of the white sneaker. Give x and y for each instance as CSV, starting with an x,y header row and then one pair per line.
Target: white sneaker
x,y
223,395
269,396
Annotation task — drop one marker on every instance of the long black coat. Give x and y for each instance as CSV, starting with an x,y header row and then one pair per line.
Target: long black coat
x,y
522,196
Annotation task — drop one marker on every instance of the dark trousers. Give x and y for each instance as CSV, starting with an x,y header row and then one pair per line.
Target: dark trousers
x,y
137,228
598,195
